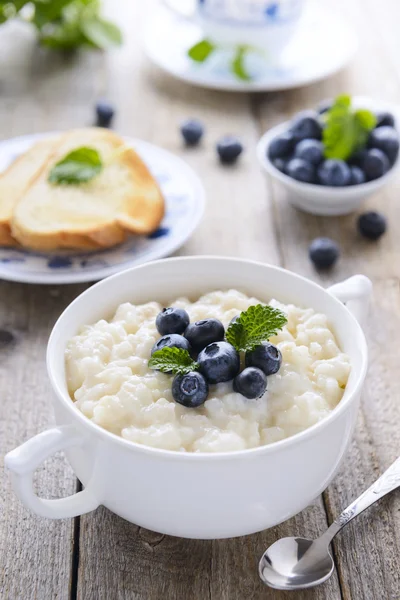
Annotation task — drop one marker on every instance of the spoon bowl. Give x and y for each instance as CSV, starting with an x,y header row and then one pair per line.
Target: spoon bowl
x,y
295,563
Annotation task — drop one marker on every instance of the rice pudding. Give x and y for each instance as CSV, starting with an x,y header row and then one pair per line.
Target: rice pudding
x,y
110,380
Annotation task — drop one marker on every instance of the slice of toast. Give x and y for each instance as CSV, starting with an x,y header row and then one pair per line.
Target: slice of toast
x,y
15,180
122,198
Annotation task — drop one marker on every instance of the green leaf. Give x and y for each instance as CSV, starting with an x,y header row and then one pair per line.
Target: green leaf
x,y
103,34
346,130
238,66
254,326
201,51
173,360
47,11
78,166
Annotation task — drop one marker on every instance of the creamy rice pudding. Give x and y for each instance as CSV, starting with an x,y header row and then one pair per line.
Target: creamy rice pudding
x,y
111,383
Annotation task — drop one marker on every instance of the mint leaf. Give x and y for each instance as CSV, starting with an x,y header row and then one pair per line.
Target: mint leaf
x,y
201,51
238,66
173,360
78,166
346,130
254,326
102,34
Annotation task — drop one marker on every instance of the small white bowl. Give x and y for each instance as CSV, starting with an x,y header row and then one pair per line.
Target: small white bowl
x,y
197,495
320,199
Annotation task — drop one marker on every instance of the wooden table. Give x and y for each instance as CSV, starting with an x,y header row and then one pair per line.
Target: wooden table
x,y
100,556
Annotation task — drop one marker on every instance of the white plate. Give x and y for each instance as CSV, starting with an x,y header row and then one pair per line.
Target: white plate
x,y
184,195
323,44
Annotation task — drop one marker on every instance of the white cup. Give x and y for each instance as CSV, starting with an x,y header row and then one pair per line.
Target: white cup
x,y
265,24
187,494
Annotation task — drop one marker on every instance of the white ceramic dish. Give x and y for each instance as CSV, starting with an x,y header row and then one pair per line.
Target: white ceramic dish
x,y
185,199
189,494
320,199
168,37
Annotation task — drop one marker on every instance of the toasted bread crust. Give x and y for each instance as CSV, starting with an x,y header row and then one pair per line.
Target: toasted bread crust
x,y
139,211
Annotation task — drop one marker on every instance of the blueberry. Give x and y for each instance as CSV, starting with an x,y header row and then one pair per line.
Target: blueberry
x,y
280,164
266,357
385,139
190,390
219,362
306,124
301,170
192,131
357,176
171,341
104,113
358,158
251,383
376,164
202,333
323,252
310,150
385,119
333,172
372,225
229,148
172,320
324,106
281,146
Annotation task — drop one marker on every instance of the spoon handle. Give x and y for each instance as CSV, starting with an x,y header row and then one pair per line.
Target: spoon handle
x,y
389,481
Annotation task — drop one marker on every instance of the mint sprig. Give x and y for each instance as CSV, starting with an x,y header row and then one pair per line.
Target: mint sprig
x,y
173,360
346,130
78,166
254,326
202,50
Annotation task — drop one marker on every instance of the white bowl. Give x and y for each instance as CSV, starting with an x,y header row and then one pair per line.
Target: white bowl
x,y
187,494
319,199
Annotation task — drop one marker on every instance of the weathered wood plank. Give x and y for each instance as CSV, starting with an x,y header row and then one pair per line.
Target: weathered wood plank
x,y
38,93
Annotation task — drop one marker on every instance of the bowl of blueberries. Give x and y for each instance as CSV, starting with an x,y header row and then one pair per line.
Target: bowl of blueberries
x,y
331,159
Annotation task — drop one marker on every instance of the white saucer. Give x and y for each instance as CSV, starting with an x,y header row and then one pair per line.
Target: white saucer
x,y
323,44
184,196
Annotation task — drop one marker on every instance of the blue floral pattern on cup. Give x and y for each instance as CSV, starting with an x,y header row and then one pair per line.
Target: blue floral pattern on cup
x,y
250,12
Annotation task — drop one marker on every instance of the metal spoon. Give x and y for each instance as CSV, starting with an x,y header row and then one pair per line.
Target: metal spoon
x,y
294,563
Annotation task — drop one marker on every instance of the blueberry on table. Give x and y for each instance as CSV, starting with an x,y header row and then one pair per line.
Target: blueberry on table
x,y
372,225
306,124
310,150
172,340
333,172
301,170
384,118
219,362
204,332
376,164
251,383
229,149
104,113
281,146
323,252
192,131
280,164
385,139
190,390
172,320
266,357
357,176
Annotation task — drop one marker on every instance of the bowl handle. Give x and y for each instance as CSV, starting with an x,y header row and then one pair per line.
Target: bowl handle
x,y
355,293
23,461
